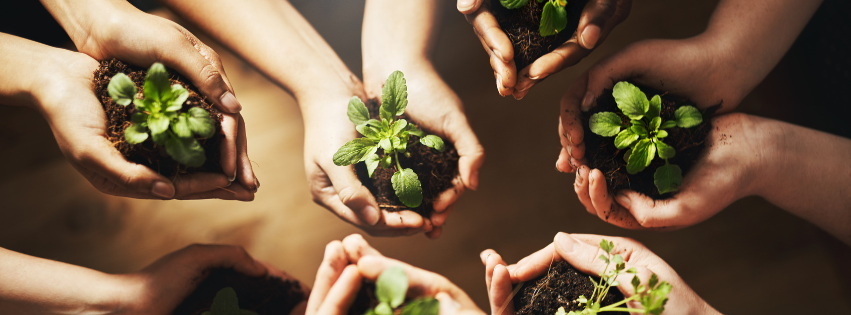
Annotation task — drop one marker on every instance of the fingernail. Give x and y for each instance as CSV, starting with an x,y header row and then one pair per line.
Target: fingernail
x,y
371,215
623,200
590,35
579,180
558,169
230,103
232,178
474,180
464,5
162,189
499,85
566,243
586,102
256,184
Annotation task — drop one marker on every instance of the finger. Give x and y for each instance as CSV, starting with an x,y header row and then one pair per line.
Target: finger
x,y
459,132
232,192
493,39
585,256
356,247
659,214
435,232
566,55
571,132
598,19
500,292
353,194
580,185
599,192
244,169
439,218
492,260
230,130
420,282
468,6
124,178
192,183
332,266
504,75
202,258
533,265
449,196
343,293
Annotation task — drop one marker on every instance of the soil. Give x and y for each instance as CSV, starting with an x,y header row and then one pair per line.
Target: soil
x,y
147,153
263,295
521,26
434,169
560,287
366,300
603,155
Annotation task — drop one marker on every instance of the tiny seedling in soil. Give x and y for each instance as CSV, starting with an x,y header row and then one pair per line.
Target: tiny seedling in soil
x,y
390,290
227,292
391,136
226,303
644,135
536,27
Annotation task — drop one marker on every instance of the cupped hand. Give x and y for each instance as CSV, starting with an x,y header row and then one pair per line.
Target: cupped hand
x,y
599,18
437,109
581,251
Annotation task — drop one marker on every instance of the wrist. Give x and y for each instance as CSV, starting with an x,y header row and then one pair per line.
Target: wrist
x,y
375,73
771,165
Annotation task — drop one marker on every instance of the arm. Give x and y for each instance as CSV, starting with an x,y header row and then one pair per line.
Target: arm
x,y
400,35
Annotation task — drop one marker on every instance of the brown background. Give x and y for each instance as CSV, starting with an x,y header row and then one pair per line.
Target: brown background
x,y
750,258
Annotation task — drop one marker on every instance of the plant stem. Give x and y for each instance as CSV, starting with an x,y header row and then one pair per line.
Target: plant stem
x,y
621,309
396,157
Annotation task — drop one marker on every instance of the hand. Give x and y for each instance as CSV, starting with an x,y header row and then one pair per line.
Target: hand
x,y
599,18
579,251
105,29
346,263
437,109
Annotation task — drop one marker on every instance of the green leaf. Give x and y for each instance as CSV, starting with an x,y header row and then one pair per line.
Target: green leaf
x,y
638,123
412,129
639,130
386,144
655,107
225,302
654,124
668,178
553,19
626,155
605,246
145,105
179,94
688,116
661,134
200,122
398,126
353,151
618,259
433,142
394,94
606,124
391,286
157,86
635,282
369,132
604,258
140,118
398,144
185,151
386,161
181,127
665,151
641,156
383,308
158,124
375,123
135,133
668,124
561,311
357,111
369,153
625,138
513,4
372,162
121,89
407,187
631,100
422,306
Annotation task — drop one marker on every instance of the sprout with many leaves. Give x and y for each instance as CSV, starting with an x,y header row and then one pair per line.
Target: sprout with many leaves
x,y
226,303
553,17
390,290
159,110
391,136
644,136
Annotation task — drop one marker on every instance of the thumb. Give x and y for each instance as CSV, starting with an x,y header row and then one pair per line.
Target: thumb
x,y
352,193
124,177
468,6
472,153
626,64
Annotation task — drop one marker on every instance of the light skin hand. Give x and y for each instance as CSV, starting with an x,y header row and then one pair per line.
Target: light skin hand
x,y
579,251
599,18
105,29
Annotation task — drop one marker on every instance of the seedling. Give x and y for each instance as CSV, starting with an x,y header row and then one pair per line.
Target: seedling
x,y
644,135
226,303
390,290
158,114
652,296
391,136
553,18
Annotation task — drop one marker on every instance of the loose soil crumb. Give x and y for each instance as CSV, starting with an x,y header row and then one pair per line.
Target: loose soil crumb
x,y
435,170
147,153
603,155
521,26
560,287
263,295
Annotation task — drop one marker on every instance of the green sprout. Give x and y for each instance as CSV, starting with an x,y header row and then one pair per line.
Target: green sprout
x,y
226,303
159,114
391,136
644,136
390,290
553,18
652,296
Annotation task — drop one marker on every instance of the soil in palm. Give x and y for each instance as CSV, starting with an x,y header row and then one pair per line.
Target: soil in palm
x,y
263,295
560,287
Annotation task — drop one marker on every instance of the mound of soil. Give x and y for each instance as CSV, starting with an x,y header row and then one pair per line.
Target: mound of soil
x,y
434,169
365,300
147,153
603,155
521,26
560,287
263,295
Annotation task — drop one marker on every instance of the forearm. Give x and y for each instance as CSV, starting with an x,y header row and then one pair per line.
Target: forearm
x,y
30,285
807,173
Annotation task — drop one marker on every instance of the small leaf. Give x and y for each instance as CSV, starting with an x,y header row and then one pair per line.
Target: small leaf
x,y
185,151
394,94
668,178
661,134
398,126
386,145
386,161
635,281
561,311
369,132
225,302
397,144
626,155
353,151
433,142
383,308
653,281
606,124
375,123
179,94
665,151
654,124
157,85
639,130
200,122
140,118
513,4
668,124
688,116
553,19
181,127
618,259
391,286
655,108
372,162
638,122
412,129
145,105
368,153
422,306
604,245
625,138
121,89
358,114
407,187
631,100
604,258
135,133
158,124
641,156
